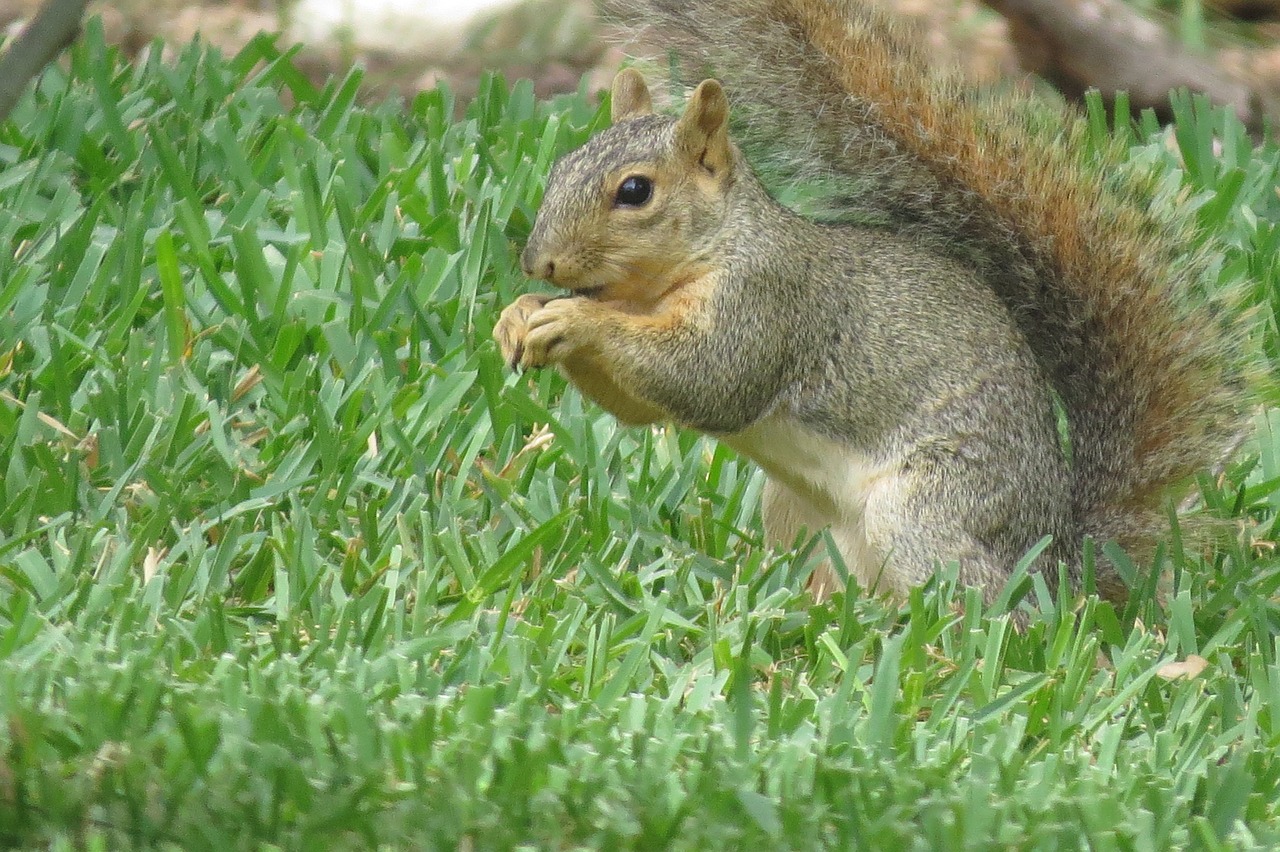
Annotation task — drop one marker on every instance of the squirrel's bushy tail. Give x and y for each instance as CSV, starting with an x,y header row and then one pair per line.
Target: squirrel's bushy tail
x,y
831,97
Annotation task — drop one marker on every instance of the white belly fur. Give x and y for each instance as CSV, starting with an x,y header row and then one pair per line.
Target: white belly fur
x,y
829,484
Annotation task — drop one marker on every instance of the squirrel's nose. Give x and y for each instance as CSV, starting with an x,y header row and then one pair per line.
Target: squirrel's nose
x,y
537,266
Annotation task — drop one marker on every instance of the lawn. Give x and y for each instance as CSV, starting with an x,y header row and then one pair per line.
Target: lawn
x,y
288,559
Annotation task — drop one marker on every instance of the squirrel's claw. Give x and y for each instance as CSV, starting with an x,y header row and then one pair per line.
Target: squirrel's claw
x,y
558,329
513,326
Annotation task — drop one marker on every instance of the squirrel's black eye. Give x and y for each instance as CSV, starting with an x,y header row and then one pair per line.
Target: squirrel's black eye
x,y
634,191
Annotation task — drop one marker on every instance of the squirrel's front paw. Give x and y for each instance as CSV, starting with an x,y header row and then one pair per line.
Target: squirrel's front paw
x,y
560,328
513,326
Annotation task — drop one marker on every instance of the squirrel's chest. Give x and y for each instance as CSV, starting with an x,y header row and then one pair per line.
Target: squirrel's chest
x,y
835,479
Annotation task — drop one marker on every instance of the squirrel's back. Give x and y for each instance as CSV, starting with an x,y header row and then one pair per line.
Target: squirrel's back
x,y
1111,295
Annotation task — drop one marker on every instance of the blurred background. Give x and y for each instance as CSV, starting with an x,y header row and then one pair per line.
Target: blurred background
x,y
1223,47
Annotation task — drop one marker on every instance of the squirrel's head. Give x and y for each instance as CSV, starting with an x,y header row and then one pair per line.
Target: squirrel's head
x,y
635,211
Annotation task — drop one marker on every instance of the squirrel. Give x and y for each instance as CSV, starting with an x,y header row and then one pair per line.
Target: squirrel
x,y
984,336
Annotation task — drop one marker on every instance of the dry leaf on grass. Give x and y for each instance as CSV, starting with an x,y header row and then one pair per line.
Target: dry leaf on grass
x,y
1192,666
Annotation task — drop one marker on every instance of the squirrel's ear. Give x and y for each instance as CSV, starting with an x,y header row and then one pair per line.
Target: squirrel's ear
x,y
630,96
703,130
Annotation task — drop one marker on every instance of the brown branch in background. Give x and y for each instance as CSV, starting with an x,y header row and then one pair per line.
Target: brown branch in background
x,y
53,28
1107,45
1247,10
1261,67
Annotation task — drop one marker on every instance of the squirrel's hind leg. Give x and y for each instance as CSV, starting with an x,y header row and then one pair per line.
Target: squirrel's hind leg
x,y
952,516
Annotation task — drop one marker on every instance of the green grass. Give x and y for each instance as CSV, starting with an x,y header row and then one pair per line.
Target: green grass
x,y
287,558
